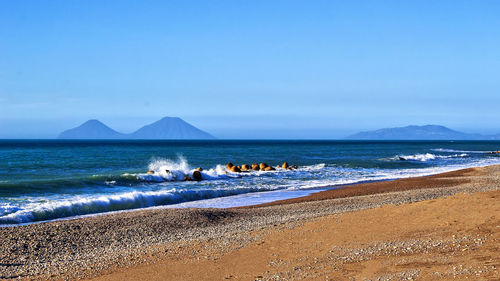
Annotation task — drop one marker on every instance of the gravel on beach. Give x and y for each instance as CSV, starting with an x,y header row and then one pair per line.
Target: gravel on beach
x,y
85,247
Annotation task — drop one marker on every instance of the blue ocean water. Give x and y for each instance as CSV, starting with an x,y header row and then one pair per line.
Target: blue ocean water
x,y
51,179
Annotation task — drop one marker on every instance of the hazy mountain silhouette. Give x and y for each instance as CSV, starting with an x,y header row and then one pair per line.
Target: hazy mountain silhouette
x,y
170,128
92,129
166,128
427,132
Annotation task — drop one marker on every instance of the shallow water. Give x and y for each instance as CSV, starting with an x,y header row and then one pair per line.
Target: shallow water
x,y
49,179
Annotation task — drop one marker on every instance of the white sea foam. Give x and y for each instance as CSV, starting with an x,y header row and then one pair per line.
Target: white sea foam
x,y
129,200
168,170
7,208
458,151
223,185
426,157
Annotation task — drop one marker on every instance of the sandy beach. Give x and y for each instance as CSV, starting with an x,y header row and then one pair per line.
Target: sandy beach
x,y
439,227
249,140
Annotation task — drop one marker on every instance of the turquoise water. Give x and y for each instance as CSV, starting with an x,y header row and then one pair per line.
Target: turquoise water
x,y
48,179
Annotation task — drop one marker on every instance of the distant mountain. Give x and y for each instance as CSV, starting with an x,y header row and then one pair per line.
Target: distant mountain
x,y
427,132
166,128
170,128
92,129
494,137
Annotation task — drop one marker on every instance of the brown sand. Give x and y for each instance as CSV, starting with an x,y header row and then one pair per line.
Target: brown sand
x,y
435,181
453,238
371,231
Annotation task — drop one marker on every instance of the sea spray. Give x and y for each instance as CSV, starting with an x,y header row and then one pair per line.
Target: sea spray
x,y
46,180
426,157
125,201
176,170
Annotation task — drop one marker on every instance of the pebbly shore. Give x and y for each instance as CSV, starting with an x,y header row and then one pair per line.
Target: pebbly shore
x,y
87,247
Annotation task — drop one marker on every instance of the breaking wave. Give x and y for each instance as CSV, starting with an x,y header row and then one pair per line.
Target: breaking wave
x,y
426,157
166,193
106,203
170,170
165,188
458,151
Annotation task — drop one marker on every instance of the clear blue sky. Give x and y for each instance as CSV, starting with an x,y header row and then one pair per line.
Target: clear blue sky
x,y
249,69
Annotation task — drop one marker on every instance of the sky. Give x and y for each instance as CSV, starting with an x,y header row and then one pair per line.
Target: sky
x,y
249,69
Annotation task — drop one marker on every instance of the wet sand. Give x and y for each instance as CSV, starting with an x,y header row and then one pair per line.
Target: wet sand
x,y
418,228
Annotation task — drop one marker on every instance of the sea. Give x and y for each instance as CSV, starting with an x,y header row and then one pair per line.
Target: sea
x,y
43,180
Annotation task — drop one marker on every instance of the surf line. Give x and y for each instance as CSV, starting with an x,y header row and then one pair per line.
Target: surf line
x,y
230,167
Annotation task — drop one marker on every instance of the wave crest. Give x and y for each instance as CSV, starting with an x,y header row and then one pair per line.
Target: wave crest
x,y
426,157
107,203
459,151
169,170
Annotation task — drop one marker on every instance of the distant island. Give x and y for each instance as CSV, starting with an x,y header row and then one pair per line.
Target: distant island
x,y
427,132
165,128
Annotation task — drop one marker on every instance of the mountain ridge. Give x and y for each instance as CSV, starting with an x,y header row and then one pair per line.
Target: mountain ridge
x,y
165,128
415,132
91,129
170,128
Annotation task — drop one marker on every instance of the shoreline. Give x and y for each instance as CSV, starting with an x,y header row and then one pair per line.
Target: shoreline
x,y
323,193
110,243
376,187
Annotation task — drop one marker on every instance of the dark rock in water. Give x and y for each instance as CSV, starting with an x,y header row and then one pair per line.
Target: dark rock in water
x,y
262,166
245,167
187,178
197,176
229,165
294,167
269,168
235,169
285,165
150,172
199,169
255,167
